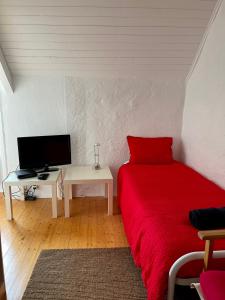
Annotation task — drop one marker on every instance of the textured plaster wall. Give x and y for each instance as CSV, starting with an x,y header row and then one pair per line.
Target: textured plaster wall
x,y
93,110
107,110
204,112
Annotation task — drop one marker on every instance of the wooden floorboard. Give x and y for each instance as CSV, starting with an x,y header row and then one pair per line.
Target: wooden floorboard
x,y
33,229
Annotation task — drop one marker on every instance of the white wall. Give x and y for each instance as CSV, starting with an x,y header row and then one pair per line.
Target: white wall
x,y
204,111
36,108
3,166
93,110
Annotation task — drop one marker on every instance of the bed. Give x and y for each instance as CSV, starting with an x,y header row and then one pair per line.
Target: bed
x,y
155,201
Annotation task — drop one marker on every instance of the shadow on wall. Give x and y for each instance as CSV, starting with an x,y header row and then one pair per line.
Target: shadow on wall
x,y
182,152
1,175
3,166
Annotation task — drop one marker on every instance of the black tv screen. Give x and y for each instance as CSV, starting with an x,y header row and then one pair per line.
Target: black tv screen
x,y
40,151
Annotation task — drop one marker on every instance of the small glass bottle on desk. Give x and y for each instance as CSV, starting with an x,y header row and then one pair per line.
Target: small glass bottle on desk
x,y
96,156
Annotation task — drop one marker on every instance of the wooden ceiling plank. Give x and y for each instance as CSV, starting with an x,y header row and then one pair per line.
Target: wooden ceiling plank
x,y
127,53
190,4
157,36
120,12
99,30
107,66
99,60
96,46
101,21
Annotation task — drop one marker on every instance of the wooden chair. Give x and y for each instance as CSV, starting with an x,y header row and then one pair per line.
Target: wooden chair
x,y
212,283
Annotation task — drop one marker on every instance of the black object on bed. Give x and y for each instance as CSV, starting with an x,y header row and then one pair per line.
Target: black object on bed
x,y
207,219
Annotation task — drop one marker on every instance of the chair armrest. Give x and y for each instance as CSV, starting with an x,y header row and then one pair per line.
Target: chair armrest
x,y
211,234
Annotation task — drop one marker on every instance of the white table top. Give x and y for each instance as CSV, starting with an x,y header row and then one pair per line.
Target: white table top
x,y
13,180
82,174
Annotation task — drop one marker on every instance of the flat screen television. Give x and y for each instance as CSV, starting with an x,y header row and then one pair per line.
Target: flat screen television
x,y
40,152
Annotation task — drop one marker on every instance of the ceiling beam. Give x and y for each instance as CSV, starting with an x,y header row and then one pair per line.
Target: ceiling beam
x,y
6,78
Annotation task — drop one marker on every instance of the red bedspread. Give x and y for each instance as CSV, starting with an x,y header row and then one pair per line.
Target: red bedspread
x,y
155,201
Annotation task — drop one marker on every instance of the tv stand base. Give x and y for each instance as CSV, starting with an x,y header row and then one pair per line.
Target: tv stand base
x,y
47,169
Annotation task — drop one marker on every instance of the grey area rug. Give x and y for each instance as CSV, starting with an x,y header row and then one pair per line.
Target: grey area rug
x,y
85,274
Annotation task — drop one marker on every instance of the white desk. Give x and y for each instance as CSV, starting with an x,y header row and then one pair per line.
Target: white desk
x,y
87,175
12,180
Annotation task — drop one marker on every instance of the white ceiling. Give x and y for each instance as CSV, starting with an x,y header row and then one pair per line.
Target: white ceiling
x,y
102,35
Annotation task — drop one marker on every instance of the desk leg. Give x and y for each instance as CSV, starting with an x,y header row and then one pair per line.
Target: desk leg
x,y
106,190
8,202
67,188
70,192
110,198
59,186
54,201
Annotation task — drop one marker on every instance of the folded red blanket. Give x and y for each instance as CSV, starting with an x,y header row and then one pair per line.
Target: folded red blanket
x,y
155,201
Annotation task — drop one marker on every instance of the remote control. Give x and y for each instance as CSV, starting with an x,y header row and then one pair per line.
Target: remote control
x,y
43,176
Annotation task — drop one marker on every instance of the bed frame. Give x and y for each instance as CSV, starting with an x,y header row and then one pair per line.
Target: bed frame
x,y
208,237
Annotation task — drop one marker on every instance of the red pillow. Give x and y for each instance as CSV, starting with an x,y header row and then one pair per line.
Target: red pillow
x,y
150,150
